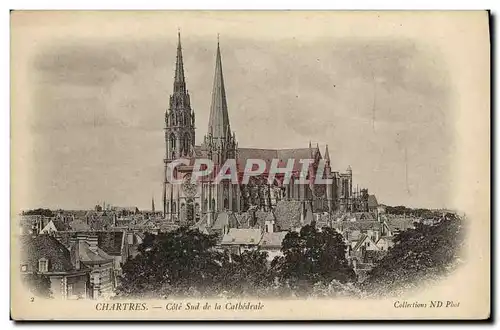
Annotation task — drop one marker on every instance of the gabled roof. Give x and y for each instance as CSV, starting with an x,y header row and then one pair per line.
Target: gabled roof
x,y
45,246
273,240
88,256
109,241
59,225
242,237
360,242
372,201
202,225
385,238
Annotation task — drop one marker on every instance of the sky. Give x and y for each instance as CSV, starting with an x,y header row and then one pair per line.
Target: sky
x,y
97,97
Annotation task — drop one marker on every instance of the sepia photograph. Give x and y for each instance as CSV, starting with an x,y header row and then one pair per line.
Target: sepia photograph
x,y
250,165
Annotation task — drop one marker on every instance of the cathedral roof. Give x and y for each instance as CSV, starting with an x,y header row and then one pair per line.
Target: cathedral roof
x,y
269,154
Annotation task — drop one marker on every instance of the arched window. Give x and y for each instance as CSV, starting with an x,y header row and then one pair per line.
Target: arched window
x,y
213,204
167,207
226,204
174,207
205,204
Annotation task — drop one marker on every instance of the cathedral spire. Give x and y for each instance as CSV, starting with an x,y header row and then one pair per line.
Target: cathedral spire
x,y
327,155
179,80
218,125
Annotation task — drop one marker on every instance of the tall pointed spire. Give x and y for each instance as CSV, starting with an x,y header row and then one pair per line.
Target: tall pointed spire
x,y
327,155
218,124
179,80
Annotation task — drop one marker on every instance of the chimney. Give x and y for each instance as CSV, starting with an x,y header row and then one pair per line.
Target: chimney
x,y
92,241
75,252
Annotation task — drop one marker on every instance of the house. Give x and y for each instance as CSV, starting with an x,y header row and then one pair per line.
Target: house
x,y
102,278
363,254
384,243
45,255
240,240
115,244
271,243
394,224
349,229
54,226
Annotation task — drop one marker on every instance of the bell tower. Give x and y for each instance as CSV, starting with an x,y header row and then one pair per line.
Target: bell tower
x,y
179,128
179,117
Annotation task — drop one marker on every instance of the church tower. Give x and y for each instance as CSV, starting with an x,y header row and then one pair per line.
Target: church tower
x,y
220,144
179,123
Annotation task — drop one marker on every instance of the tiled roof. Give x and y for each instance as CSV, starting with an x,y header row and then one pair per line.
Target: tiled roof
x,y
357,225
242,236
89,256
269,154
272,240
400,223
109,241
78,225
45,246
60,226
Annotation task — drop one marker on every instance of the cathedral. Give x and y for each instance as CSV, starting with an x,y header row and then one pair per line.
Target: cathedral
x,y
189,202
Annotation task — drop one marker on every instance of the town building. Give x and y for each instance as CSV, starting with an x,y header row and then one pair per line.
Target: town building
x,y
44,255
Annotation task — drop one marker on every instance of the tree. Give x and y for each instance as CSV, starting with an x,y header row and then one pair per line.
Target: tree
x,y
312,256
181,262
423,253
43,212
246,274
38,284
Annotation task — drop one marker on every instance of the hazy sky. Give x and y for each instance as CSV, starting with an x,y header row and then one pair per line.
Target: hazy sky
x,y
98,103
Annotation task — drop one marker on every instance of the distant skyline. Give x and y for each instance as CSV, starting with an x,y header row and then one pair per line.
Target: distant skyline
x,y
97,105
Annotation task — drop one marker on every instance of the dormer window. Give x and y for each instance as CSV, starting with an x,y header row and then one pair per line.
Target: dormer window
x,y
24,268
43,265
